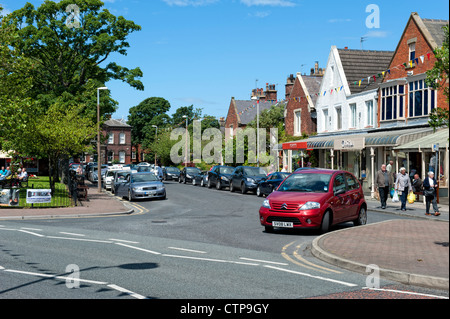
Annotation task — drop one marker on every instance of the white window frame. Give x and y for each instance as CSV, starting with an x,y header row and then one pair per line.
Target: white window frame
x,y
420,80
353,117
122,157
122,138
326,120
111,138
338,110
398,100
370,114
297,122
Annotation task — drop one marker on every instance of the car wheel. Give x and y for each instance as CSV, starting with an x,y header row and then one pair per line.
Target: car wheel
x,y
179,179
243,188
326,221
202,183
209,183
218,185
231,187
258,192
193,182
362,217
130,199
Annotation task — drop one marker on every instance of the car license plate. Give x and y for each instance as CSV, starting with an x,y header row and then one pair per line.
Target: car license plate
x,y
283,224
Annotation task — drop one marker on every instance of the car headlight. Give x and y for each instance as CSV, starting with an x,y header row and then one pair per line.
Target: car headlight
x,y
310,205
266,204
188,176
160,187
225,178
250,180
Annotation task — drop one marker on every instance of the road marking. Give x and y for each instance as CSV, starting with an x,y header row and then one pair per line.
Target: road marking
x,y
137,248
124,241
36,229
211,259
405,292
55,277
297,255
73,234
2,268
132,294
312,276
189,250
81,239
31,233
264,261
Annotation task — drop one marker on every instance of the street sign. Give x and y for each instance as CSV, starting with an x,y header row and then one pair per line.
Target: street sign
x,y
435,147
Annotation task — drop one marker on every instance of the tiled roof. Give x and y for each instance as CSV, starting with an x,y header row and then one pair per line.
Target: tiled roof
x,y
312,84
247,109
361,64
116,123
435,28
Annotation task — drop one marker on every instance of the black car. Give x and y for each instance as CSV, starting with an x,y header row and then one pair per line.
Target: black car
x,y
273,181
188,173
200,179
246,178
171,173
220,176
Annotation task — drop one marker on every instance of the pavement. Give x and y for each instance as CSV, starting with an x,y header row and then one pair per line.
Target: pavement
x,y
410,251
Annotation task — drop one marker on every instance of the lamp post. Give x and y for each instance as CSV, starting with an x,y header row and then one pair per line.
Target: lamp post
x,y
186,154
99,165
256,97
156,137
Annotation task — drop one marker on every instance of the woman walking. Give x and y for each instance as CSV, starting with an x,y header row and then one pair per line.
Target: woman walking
x,y
403,187
429,191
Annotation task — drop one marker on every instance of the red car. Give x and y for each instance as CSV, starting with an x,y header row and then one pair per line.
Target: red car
x,y
316,198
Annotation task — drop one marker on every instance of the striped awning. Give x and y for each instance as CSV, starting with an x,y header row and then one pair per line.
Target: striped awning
x,y
425,143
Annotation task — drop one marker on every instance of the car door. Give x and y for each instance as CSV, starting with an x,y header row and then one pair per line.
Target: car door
x,y
235,178
213,175
339,200
353,196
122,188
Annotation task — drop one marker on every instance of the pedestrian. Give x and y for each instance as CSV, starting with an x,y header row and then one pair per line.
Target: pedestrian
x,y
403,187
23,175
416,183
429,191
384,182
285,169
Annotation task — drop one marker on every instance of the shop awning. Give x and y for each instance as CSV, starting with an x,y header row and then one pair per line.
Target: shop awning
x,y
371,139
396,138
426,143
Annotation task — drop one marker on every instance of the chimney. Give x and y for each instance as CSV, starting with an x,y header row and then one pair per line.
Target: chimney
x,y
316,67
271,93
289,86
222,122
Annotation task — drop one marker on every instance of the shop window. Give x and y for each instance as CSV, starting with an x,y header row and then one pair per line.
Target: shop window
x,y
392,102
422,99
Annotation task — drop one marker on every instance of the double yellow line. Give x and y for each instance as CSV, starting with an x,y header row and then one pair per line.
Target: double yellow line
x,y
300,261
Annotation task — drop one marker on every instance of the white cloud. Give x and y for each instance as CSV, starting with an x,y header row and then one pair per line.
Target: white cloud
x,y
4,11
185,3
272,3
376,34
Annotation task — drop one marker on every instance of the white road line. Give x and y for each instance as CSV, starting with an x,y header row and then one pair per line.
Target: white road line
x,y
211,259
141,249
311,276
132,294
124,241
8,229
72,234
264,261
2,268
55,277
406,292
36,229
189,250
82,239
31,233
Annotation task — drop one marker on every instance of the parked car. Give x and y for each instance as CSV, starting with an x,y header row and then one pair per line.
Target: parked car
x,y
188,173
200,179
140,186
273,181
108,181
220,176
118,177
93,173
315,199
171,173
246,178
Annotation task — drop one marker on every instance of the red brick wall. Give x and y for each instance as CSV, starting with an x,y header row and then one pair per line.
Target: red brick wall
x,y
308,126
232,118
402,55
117,147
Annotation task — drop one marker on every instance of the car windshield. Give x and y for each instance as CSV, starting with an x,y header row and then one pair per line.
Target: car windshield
x,y
254,171
172,169
226,170
305,183
192,170
143,178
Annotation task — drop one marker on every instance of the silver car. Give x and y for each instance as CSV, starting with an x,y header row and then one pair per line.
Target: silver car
x,y
140,186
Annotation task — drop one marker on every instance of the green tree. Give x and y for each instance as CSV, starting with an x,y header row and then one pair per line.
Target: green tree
x,y
437,77
142,117
69,59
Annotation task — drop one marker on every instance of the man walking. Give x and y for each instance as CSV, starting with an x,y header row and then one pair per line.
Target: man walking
x,y
403,186
384,182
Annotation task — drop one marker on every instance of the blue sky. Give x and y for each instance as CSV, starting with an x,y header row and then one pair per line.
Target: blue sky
x,y
203,52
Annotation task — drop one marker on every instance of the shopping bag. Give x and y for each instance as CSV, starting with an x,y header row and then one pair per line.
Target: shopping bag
x,y
395,198
392,192
411,198
376,195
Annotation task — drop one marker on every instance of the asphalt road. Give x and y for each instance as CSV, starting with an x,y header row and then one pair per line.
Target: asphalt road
x,y
198,244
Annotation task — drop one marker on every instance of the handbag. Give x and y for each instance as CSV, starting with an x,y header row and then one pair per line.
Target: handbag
x,y
395,198
428,192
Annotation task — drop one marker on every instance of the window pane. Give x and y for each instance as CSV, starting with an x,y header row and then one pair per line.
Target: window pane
x,y
401,89
402,98
433,99
425,102
411,104
418,103
389,108
395,107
